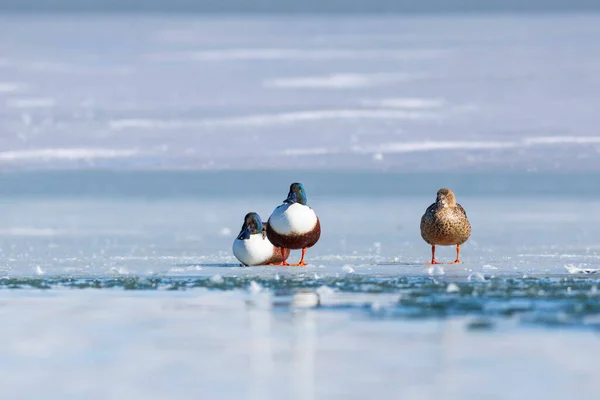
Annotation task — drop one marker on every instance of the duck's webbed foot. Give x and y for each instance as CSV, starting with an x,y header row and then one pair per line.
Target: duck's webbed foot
x,y
283,263
301,263
457,261
433,261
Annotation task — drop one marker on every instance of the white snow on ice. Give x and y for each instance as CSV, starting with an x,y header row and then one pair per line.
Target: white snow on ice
x,y
279,85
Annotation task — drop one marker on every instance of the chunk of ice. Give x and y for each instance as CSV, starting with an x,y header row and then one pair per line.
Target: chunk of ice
x,y
452,288
572,269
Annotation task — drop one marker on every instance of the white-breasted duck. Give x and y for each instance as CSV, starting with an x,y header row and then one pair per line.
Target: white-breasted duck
x,y
252,247
294,225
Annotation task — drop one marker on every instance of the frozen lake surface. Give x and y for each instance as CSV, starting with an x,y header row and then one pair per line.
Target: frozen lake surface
x,y
140,297
494,92
122,284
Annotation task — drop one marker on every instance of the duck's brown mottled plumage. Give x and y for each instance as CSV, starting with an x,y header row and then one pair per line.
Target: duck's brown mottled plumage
x,y
445,222
445,226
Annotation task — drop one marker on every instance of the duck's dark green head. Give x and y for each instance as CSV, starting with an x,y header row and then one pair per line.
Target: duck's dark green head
x,y
297,194
252,225
446,198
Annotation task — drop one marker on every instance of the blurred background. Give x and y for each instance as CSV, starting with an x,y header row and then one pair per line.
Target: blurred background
x,y
370,85
308,6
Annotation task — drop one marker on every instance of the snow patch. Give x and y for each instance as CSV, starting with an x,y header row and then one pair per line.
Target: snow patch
x,y
337,81
313,115
572,269
39,102
411,147
436,270
452,288
305,299
254,288
26,231
308,152
119,271
254,120
548,140
348,269
406,102
65,154
476,277
8,87
268,54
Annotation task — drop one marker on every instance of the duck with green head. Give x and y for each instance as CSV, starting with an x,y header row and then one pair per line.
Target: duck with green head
x,y
445,223
294,225
252,247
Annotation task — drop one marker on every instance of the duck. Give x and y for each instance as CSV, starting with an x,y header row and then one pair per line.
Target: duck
x,y
294,225
252,247
445,223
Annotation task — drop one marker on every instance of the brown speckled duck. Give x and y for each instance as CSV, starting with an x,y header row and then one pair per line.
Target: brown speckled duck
x,y
445,223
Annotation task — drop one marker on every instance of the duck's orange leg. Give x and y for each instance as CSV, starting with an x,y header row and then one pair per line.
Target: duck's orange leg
x,y
457,261
433,261
283,262
301,263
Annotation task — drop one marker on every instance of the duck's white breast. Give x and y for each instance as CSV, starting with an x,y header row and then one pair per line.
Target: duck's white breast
x,y
293,218
253,251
